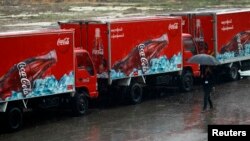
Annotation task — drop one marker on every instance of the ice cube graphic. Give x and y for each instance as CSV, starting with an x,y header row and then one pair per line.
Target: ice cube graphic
x,y
157,65
154,65
247,49
116,75
166,69
15,95
244,52
62,83
112,74
173,62
39,85
225,56
162,64
51,85
120,74
48,85
179,58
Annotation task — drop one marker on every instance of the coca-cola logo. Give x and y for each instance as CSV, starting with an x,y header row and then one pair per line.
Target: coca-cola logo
x,y
173,26
25,82
144,60
63,42
97,52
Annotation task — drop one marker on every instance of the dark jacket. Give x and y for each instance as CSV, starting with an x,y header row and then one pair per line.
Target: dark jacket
x,y
208,81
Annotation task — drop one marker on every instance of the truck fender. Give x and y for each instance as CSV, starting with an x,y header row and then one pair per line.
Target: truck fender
x,y
230,65
3,106
124,82
234,63
127,81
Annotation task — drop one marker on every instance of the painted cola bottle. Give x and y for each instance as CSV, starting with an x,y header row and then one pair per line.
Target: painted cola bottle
x,y
237,43
199,38
140,56
97,51
21,76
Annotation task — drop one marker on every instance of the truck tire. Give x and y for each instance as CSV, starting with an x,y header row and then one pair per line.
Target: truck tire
x,y
186,81
14,119
79,104
135,93
234,73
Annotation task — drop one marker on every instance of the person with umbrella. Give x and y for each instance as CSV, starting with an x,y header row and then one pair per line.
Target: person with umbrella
x,y
208,85
207,76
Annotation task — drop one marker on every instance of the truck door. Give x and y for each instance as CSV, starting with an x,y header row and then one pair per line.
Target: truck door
x,y
203,32
190,50
85,73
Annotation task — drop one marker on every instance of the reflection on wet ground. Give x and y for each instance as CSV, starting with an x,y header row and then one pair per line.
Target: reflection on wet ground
x,y
172,116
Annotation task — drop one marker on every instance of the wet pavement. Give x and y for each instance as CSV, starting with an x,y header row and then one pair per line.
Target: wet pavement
x,y
171,116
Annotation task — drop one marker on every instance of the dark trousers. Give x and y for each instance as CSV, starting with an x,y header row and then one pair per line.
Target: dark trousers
x,y
207,91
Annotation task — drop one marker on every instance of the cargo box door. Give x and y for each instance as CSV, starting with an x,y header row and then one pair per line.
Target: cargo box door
x,y
36,64
145,47
203,32
97,37
233,36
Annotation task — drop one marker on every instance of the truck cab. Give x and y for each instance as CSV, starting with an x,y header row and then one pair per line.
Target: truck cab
x,y
190,71
85,77
190,49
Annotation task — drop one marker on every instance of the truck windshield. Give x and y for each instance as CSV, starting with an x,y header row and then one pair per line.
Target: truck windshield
x,y
189,45
84,62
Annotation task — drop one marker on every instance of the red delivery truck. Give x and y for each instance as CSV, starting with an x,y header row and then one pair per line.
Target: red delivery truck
x,y
42,69
223,33
129,53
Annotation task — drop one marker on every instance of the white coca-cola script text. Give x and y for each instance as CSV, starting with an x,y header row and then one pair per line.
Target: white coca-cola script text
x,y
144,60
97,51
63,42
25,82
173,26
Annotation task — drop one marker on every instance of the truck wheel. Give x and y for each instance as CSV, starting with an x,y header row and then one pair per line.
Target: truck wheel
x,y
135,93
14,119
233,73
79,104
186,81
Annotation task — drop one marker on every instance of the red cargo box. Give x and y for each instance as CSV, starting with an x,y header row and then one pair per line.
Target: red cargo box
x,y
224,33
36,63
132,47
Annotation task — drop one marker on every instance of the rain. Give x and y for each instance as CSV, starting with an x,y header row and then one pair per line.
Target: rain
x,y
165,114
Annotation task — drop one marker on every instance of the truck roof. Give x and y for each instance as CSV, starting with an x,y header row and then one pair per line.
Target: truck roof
x,y
120,20
32,32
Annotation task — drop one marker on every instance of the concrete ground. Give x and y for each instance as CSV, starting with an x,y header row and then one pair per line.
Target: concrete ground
x,y
171,116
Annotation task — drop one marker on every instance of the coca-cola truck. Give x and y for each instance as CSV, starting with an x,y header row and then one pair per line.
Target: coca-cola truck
x,y
43,69
130,53
223,33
